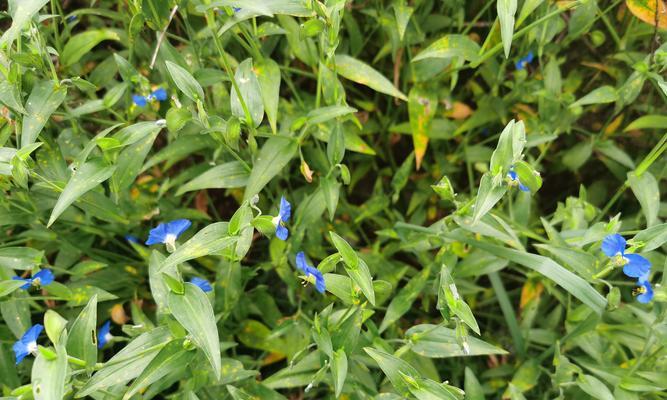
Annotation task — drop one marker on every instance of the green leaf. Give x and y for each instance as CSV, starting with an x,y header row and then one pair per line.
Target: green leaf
x,y
577,155
394,368
488,195
20,257
49,376
9,287
451,46
224,176
600,95
350,256
130,161
22,13
422,106
402,302
128,363
572,283
339,370
185,82
362,73
193,310
648,122
274,155
82,341
472,386
324,114
90,175
210,240
331,191
646,190
251,92
179,149
10,97
440,342
652,237
54,325
81,44
528,176
170,359
506,10
362,277
268,77
402,13
45,98
426,389
594,387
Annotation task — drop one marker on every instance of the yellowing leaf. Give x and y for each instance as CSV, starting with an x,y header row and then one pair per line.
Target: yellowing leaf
x,y
422,105
645,10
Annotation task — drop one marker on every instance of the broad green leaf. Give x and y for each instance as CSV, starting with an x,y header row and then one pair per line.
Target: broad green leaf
x,y
577,155
324,114
422,106
339,370
82,341
600,95
129,363
224,176
16,314
426,389
440,342
652,237
402,302
171,358
648,122
362,73
488,195
451,46
594,387
646,190
394,368
472,386
210,240
129,162
645,10
268,77
251,93
331,191
22,13
10,97
54,325
9,287
90,175
402,13
572,283
506,10
49,376
274,155
528,176
45,98
185,82
527,9
179,149
193,310
81,44
350,256
20,257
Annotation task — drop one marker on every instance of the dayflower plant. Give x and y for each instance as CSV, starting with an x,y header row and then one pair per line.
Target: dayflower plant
x,y
633,265
282,218
524,61
159,94
104,335
28,343
42,278
309,271
203,284
167,233
514,181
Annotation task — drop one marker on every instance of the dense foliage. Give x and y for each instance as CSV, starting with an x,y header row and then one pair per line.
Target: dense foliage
x,y
303,199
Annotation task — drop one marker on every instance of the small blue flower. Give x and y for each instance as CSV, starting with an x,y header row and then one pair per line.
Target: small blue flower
x,y
524,61
28,343
42,278
514,181
203,284
104,335
132,239
283,217
160,94
236,9
71,19
168,232
634,265
139,100
644,292
309,271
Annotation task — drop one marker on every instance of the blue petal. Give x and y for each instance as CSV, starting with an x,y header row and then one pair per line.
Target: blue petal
x,y
139,100
236,9
71,18
513,176
285,210
132,239
301,262
647,296
178,226
27,285
45,277
636,266
319,280
523,188
157,235
20,351
281,232
613,244
203,284
32,334
102,334
160,94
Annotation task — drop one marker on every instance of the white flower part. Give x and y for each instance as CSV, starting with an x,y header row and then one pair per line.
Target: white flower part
x,y
455,291
170,241
108,337
32,347
36,282
276,220
161,122
466,347
310,386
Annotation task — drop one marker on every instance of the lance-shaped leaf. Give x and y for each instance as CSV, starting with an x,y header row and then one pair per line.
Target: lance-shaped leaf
x,y
209,240
422,105
45,98
82,341
362,73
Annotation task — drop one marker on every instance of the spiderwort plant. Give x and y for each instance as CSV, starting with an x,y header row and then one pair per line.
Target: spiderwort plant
x,y
104,335
309,271
42,278
160,94
28,343
201,283
167,233
634,265
282,218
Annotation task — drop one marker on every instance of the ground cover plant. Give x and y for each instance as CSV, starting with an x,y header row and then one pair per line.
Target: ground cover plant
x,y
303,199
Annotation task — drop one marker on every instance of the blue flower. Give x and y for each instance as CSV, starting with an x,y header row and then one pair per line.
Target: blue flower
x,y
104,335
42,278
524,61
168,232
514,181
236,9
71,19
203,284
132,239
282,218
159,94
28,343
139,100
644,292
634,265
309,271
